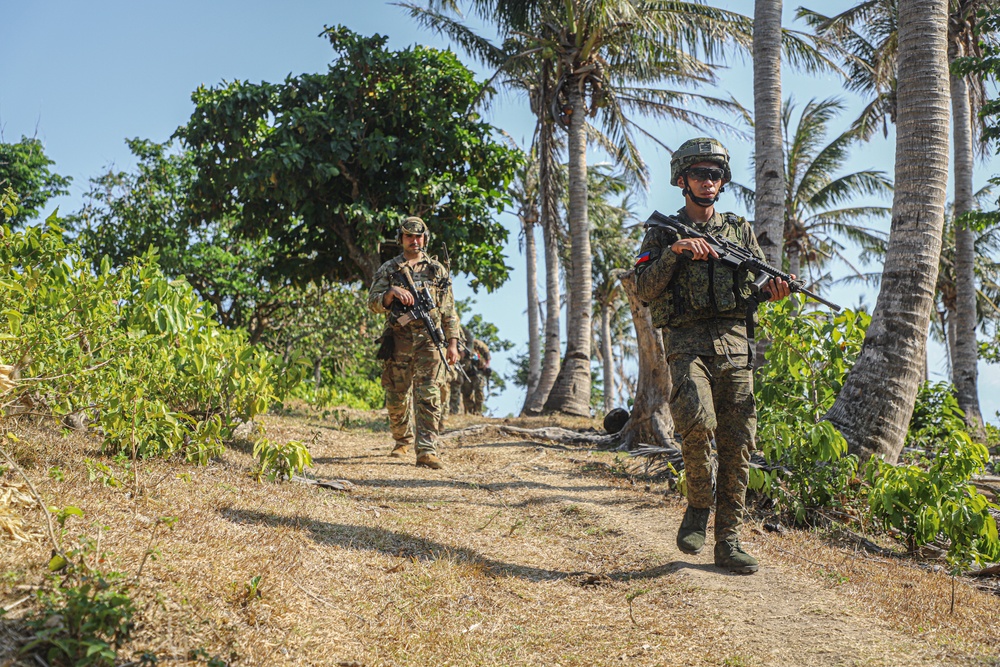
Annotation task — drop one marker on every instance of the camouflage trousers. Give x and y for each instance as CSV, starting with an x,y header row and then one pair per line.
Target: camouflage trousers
x,y
411,380
450,377
712,397
473,393
455,406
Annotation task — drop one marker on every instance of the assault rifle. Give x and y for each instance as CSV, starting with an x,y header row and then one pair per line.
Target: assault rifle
x,y
423,304
736,258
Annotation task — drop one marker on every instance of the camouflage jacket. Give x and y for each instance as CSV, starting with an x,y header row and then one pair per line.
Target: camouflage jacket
x,y
701,305
428,273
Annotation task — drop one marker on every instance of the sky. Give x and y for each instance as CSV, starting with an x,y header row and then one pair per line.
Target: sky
x,y
84,77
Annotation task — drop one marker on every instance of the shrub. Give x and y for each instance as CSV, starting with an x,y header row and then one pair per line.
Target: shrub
x,y
139,353
807,361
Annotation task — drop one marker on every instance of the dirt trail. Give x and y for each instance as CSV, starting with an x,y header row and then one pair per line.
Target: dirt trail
x,y
504,503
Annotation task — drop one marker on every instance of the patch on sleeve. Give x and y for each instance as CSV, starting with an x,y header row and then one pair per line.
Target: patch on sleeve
x,y
642,258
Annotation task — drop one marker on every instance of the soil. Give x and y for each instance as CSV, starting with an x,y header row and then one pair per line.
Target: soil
x,y
516,553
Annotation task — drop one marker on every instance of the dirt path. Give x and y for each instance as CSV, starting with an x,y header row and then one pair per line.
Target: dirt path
x,y
516,553
594,559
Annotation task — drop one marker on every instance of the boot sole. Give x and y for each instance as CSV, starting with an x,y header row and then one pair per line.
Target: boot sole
x,y
746,569
691,552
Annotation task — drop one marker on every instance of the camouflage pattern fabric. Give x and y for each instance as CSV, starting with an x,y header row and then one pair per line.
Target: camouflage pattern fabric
x,y
713,397
703,315
698,290
450,375
416,371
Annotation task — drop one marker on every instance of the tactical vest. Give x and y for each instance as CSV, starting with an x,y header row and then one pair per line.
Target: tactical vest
x,y
432,276
703,290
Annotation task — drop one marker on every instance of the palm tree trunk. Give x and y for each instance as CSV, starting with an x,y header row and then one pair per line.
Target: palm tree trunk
x,y
964,369
571,393
769,187
874,407
548,216
534,330
608,360
650,422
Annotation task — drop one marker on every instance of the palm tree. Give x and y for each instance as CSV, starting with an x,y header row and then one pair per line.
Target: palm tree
x,y
606,56
614,253
769,183
525,194
867,39
873,409
817,210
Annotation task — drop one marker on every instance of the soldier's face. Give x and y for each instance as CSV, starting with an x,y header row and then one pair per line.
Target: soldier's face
x,y
706,188
413,242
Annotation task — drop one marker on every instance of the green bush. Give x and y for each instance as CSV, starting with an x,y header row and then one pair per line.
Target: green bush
x,y
138,353
807,361
932,498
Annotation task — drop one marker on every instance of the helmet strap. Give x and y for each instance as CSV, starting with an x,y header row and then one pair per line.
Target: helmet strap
x,y
700,201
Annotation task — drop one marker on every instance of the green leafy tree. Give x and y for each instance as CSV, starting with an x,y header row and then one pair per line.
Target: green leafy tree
x,y
25,169
126,213
323,166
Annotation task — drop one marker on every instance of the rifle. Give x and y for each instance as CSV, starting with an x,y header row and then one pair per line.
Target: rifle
x,y
735,258
423,304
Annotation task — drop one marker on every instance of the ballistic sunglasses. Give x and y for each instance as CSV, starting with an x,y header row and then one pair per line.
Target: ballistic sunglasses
x,y
705,174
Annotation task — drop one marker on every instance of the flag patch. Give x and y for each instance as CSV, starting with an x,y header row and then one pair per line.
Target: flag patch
x,y
643,257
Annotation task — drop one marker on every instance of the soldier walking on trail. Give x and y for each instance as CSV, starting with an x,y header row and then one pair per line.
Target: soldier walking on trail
x,y
704,310
481,364
412,365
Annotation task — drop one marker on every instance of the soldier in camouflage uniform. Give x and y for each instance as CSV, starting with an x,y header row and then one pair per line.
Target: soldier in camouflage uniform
x,y
703,309
415,368
474,391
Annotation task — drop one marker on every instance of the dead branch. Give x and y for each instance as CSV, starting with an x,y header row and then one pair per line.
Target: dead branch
x,y
542,435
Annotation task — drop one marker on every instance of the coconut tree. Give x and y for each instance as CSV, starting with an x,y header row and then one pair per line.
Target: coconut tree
x,y
817,207
866,36
614,252
873,409
769,183
607,58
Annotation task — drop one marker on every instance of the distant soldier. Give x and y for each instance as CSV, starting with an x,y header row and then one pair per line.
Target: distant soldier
x,y
451,376
412,365
478,370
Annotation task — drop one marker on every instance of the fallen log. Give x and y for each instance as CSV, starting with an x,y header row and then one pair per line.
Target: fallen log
x,y
543,435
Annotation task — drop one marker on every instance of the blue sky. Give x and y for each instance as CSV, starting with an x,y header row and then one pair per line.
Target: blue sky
x,y
83,77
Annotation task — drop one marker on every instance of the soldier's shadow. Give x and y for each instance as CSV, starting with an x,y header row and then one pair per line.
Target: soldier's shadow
x,y
405,545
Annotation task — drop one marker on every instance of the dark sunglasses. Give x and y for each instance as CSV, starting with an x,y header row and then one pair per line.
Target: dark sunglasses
x,y
705,174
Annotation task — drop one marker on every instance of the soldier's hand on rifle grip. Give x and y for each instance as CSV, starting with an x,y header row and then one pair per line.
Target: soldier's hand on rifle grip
x,y
398,293
778,288
694,248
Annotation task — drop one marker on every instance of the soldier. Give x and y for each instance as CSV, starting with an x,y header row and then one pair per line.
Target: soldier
x,y
414,367
481,362
703,309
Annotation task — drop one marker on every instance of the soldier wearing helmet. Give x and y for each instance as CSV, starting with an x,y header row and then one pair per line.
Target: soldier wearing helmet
x,y
704,310
412,368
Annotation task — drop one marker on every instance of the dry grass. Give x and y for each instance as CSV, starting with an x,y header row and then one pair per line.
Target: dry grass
x,y
514,554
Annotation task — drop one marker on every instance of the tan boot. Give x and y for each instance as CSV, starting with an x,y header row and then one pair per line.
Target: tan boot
x,y
429,460
400,451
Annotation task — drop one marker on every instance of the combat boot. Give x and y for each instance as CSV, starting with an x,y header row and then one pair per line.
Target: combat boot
x,y
399,451
729,555
691,534
429,460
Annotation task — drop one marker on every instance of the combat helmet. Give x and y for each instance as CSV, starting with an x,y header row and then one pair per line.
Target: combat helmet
x,y
413,225
698,150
